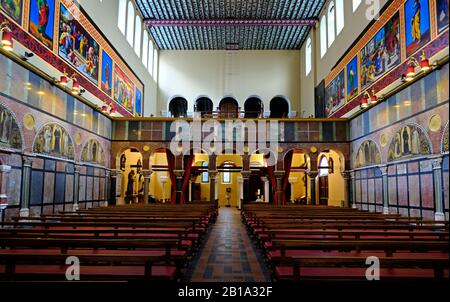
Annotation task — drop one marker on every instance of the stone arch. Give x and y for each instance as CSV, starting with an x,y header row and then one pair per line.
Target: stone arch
x,y
54,140
368,154
280,107
409,140
11,133
178,106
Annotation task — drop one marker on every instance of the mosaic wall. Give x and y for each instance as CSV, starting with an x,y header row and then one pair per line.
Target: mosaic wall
x,y
60,33
411,129
404,29
58,133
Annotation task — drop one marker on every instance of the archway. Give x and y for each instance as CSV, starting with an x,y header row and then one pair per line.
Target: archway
x,y
330,184
229,108
204,106
279,107
295,182
253,107
178,107
162,178
228,188
132,184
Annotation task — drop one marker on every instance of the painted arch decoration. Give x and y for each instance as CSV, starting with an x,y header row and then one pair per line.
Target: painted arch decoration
x,y
368,154
409,141
445,138
54,140
93,152
10,136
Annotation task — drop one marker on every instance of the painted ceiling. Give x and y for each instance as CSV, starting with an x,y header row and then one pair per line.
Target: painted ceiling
x,y
230,24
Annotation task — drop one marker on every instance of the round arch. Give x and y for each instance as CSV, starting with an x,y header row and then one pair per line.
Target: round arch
x,y
229,107
178,107
280,107
253,107
204,105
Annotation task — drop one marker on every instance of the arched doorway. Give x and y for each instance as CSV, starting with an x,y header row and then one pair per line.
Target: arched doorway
x,y
229,108
324,170
295,182
178,107
279,107
228,188
161,188
330,182
204,106
132,185
253,107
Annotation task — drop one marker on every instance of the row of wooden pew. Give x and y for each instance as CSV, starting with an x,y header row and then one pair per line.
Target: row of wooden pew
x,y
326,243
121,243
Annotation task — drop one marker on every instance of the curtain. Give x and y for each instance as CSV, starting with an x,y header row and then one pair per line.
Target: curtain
x,y
173,179
273,182
188,160
287,171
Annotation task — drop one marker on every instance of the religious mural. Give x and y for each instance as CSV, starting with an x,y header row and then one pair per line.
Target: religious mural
x,y
335,94
77,46
368,154
417,25
107,65
9,130
382,53
352,78
409,141
123,89
12,8
138,102
442,14
93,152
54,140
42,16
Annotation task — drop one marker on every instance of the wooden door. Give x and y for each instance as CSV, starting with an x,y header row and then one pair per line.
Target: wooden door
x,y
323,190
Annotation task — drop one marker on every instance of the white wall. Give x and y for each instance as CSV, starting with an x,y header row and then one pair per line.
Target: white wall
x,y
105,14
355,23
238,73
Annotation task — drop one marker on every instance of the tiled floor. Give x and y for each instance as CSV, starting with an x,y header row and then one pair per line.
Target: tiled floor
x,y
228,255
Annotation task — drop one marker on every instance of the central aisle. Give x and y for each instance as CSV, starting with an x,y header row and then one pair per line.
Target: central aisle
x,y
228,255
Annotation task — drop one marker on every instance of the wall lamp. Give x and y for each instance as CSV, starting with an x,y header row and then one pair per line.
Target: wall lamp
x,y
424,66
369,99
7,40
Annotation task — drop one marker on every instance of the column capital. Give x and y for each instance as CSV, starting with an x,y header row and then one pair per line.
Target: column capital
x,y
265,179
313,174
77,169
178,173
346,174
383,169
279,174
213,174
146,173
5,168
437,162
245,174
27,161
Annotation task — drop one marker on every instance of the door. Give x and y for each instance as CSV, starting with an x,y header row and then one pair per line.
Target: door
x,y
323,190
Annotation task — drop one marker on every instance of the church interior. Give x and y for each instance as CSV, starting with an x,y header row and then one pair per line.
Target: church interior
x,y
224,141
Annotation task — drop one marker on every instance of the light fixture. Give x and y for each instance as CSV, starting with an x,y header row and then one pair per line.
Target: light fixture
x,y
424,66
365,100
112,111
63,80
75,86
424,62
373,98
7,40
105,107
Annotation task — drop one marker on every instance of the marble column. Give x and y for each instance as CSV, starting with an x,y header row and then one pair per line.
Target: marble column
x,y
385,188
146,174
347,189
240,180
192,180
179,177
438,198
212,187
107,184
279,177
266,189
245,177
312,177
163,179
114,187
292,182
353,189
4,170
76,188
26,186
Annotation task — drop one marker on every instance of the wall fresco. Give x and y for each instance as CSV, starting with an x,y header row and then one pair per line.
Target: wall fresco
x,y
107,66
335,94
93,152
42,21
13,9
352,78
442,15
368,154
409,141
417,24
9,130
123,89
55,141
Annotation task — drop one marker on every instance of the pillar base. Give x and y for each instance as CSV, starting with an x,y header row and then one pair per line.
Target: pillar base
x,y
24,212
354,206
439,216
75,207
105,204
385,210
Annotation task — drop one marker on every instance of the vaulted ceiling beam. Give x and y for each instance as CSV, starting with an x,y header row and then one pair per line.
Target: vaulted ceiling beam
x,y
229,22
